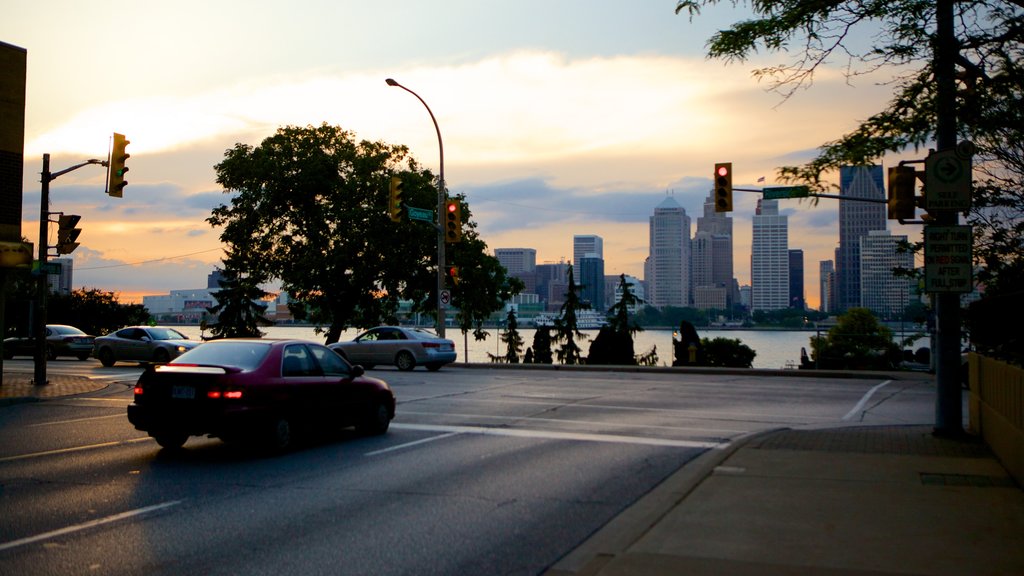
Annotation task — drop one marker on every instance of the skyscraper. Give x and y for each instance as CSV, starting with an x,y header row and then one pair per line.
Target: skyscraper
x,y
586,245
590,276
881,290
769,258
796,280
712,260
827,285
520,263
668,265
856,220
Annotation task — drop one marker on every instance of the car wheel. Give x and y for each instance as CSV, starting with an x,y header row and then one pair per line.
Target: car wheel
x,y
51,353
405,361
106,357
280,434
376,420
170,440
161,356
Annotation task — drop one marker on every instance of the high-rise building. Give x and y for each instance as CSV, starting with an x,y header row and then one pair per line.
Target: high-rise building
x,y
796,280
827,286
769,258
856,220
881,290
586,245
668,266
553,283
712,260
520,263
61,283
590,276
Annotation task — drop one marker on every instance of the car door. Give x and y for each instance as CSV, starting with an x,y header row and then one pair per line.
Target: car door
x,y
303,382
130,344
336,393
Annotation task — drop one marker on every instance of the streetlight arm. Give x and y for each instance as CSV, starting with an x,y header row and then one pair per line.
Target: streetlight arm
x,y
440,145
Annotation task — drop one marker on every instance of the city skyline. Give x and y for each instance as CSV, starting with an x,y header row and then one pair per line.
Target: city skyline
x,y
578,124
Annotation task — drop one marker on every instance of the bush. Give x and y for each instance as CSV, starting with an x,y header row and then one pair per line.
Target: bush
x,y
725,352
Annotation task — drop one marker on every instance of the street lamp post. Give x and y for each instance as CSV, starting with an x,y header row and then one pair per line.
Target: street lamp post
x,y
441,197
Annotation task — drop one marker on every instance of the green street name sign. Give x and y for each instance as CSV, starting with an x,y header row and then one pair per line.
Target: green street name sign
x,y
420,214
777,192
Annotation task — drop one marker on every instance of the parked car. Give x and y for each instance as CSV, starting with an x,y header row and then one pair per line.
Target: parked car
x,y
258,391
142,344
406,348
61,340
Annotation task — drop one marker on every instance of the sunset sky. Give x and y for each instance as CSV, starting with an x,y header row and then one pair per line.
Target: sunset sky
x,y
558,117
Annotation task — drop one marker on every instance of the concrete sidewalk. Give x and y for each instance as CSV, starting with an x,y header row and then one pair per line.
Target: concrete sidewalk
x,y
847,501
18,386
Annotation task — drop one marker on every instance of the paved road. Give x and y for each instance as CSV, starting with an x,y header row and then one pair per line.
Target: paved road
x,y
484,471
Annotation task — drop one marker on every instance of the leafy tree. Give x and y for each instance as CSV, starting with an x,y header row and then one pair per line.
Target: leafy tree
x,y
567,325
989,95
93,311
309,207
857,341
239,312
542,345
726,353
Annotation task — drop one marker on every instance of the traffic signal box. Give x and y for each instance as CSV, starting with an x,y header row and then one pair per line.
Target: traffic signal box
x,y
452,221
901,193
395,199
118,157
723,187
67,233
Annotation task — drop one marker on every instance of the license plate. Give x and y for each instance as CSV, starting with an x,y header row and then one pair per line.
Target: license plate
x,y
184,392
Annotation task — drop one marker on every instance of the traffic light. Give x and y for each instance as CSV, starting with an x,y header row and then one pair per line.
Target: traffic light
x,y
723,187
67,233
453,221
901,192
395,200
117,169
453,275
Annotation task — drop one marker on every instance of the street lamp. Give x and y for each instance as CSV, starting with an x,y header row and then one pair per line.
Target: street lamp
x,y
441,197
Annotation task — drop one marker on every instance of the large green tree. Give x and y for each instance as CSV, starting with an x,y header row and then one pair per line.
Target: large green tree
x,y
309,208
899,38
239,310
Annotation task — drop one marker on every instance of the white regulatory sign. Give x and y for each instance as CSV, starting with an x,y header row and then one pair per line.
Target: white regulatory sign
x,y
446,297
947,259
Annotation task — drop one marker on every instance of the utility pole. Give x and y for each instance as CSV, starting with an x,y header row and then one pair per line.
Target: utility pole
x,y
948,403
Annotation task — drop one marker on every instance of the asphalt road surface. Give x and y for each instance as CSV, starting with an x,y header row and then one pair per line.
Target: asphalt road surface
x,y
483,472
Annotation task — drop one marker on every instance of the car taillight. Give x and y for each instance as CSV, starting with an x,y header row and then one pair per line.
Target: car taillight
x,y
138,390
431,345
214,394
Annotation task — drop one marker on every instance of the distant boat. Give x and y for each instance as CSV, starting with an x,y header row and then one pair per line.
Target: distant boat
x,y
585,320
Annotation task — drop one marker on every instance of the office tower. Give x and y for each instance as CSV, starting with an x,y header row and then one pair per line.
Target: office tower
x,y
520,263
881,290
769,258
668,283
553,283
827,286
796,280
584,245
856,220
712,262
590,276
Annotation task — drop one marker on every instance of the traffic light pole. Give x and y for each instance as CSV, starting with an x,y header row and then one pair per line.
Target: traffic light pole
x,y
42,285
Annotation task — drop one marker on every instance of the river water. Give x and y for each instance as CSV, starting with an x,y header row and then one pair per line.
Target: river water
x,y
775,348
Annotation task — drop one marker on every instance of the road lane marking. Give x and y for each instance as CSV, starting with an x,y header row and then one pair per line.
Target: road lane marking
x,y
76,420
536,419
410,444
864,400
555,435
87,525
74,449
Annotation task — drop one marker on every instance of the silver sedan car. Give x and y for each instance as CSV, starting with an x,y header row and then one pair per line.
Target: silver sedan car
x,y
406,348
157,344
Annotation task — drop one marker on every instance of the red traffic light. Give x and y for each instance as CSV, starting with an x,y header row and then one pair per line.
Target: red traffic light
x,y
452,207
723,170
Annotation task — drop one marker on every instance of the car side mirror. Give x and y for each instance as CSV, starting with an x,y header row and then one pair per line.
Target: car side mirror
x,y
358,371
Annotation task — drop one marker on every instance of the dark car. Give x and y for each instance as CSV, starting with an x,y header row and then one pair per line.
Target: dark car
x,y
406,348
142,344
61,340
254,391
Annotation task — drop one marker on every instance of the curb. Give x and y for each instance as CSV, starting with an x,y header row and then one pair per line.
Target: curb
x,y
629,526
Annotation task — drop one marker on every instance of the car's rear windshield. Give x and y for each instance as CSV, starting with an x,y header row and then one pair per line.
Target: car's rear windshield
x,y
244,355
422,334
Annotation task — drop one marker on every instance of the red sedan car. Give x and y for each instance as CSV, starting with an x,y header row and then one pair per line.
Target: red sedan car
x,y
258,391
